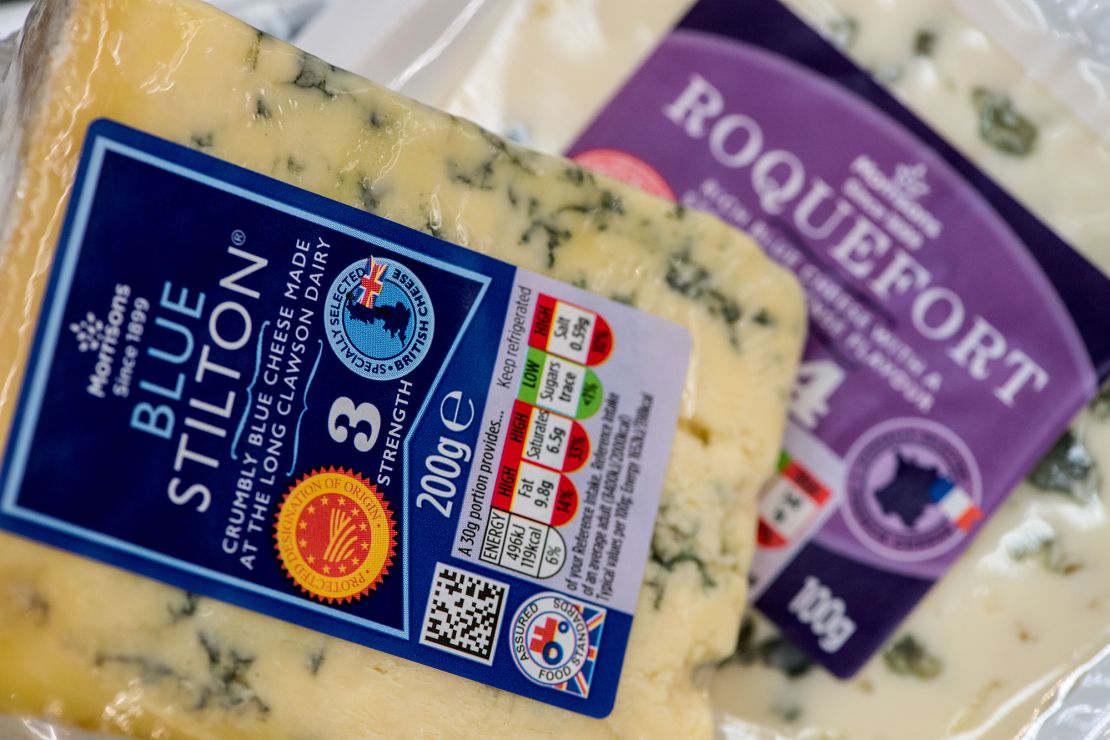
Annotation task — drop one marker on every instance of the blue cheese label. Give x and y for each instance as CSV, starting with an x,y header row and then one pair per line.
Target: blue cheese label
x,y
266,397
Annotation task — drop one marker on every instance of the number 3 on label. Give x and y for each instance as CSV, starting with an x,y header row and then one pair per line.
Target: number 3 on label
x,y
354,416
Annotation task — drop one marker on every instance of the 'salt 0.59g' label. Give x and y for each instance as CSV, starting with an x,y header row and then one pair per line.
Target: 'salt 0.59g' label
x,y
256,394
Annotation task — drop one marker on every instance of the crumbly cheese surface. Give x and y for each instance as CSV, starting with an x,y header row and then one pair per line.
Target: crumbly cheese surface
x,y
106,649
1031,597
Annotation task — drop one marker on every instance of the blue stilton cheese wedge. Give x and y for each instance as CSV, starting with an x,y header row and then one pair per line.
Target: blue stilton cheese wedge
x,y
106,649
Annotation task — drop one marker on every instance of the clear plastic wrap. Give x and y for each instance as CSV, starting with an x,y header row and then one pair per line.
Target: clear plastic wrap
x,y
1078,704
281,18
91,645
12,15
1065,46
12,728
533,71
1029,602
417,49
8,47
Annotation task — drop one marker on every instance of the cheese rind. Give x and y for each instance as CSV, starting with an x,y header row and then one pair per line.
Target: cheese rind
x,y
107,649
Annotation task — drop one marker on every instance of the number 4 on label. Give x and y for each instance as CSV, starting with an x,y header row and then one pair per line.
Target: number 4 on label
x,y
817,382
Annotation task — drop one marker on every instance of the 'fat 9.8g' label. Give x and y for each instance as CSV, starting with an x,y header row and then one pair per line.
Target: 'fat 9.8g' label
x,y
302,409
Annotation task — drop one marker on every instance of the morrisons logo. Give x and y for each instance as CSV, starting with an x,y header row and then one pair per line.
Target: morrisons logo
x,y
89,333
103,338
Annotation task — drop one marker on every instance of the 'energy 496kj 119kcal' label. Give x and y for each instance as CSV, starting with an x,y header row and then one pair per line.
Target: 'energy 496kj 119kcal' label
x,y
260,395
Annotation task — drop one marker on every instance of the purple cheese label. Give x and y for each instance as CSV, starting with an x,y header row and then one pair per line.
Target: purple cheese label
x,y
942,358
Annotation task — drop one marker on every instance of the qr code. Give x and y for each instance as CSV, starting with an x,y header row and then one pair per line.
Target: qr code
x,y
464,613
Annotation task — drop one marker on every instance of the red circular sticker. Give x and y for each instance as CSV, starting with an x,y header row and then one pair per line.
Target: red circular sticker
x,y
626,168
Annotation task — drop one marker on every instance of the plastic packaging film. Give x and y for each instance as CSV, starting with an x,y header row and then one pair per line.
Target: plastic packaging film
x,y
106,650
281,18
12,15
1027,605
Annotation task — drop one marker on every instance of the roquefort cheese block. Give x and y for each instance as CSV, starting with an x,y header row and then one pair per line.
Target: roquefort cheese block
x,y
106,649
1030,599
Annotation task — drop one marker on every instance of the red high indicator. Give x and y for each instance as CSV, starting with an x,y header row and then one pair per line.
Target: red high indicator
x,y
570,331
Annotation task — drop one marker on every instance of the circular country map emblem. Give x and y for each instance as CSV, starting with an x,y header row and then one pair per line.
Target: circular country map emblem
x,y
379,319
913,490
335,535
551,640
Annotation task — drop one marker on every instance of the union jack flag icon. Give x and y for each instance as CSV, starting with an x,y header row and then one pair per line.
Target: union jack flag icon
x,y
579,684
370,285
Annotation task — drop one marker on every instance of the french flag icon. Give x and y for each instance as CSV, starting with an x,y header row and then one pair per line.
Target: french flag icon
x,y
955,503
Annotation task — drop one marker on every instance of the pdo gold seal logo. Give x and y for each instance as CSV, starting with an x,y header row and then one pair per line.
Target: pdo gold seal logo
x,y
335,534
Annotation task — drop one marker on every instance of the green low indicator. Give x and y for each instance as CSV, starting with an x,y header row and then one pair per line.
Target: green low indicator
x,y
532,376
784,460
592,394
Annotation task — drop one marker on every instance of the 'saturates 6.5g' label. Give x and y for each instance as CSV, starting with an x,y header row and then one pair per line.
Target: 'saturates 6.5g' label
x,y
952,336
263,396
